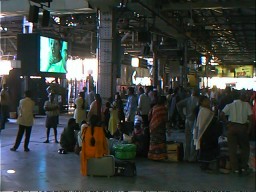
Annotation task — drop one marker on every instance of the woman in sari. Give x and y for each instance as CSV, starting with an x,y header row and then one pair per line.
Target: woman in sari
x,y
79,113
206,133
114,120
94,144
157,128
96,108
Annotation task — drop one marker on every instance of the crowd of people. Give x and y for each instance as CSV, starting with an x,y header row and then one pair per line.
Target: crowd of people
x,y
146,117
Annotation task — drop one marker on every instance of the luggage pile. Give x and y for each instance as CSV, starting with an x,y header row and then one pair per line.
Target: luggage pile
x,y
121,163
125,164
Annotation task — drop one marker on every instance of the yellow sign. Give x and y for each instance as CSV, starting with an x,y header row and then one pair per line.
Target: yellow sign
x,y
245,71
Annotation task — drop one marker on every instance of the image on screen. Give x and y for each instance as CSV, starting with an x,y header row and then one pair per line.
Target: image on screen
x,y
53,55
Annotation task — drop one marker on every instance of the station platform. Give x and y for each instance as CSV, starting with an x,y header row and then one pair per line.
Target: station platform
x,y
44,169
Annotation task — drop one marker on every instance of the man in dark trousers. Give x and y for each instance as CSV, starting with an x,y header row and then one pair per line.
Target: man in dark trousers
x,y
4,102
239,124
52,114
25,121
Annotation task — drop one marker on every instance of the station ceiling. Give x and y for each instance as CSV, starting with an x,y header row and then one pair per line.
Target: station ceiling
x,y
222,28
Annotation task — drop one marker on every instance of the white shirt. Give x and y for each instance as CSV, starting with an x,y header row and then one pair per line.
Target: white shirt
x,y
25,112
238,111
144,104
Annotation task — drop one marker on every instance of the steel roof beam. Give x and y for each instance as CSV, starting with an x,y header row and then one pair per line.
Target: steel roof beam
x,y
234,4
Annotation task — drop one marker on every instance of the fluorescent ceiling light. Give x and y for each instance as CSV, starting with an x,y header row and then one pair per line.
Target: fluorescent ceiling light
x,y
135,62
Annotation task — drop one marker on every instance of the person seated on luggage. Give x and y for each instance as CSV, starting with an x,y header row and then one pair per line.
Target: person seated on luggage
x,y
67,138
119,131
95,143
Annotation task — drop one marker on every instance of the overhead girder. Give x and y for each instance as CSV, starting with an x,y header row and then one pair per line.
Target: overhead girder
x,y
12,8
202,4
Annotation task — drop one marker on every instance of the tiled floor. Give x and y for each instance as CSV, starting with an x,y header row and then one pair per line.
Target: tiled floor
x,y
43,169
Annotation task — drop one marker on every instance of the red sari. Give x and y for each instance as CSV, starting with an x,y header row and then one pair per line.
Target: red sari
x,y
157,127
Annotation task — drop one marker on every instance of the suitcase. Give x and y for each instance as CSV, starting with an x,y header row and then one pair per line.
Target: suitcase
x,y
125,168
125,151
103,166
175,151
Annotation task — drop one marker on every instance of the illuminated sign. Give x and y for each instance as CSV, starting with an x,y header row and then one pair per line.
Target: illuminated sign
x,y
245,71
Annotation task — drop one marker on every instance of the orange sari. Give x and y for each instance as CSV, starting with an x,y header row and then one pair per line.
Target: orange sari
x,y
99,150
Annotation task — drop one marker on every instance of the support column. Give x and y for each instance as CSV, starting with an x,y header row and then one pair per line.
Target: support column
x,y
106,71
155,62
184,61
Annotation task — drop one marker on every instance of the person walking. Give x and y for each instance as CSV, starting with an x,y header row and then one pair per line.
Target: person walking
x,y
25,121
51,108
4,102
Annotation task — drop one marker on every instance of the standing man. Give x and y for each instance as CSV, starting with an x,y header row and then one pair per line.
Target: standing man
x,y
239,124
51,108
131,105
25,121
144,106
4,101
190,105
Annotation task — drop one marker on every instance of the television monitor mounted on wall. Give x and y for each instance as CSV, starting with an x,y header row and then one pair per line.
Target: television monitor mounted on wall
x,y
53,55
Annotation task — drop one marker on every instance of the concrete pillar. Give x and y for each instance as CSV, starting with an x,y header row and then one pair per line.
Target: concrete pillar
x,y
183,67
161,74
106,68
155,61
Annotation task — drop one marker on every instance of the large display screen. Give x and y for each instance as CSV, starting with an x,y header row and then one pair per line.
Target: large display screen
x,y
53,55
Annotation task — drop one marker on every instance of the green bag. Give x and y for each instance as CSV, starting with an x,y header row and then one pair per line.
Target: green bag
x,y
125,151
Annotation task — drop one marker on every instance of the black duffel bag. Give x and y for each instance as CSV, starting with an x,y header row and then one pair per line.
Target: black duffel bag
x,y
125,168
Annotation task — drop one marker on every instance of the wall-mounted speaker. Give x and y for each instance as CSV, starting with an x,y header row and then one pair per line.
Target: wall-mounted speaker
x,y
33,14
46,18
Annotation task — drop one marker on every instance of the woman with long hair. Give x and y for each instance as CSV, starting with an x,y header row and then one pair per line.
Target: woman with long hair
x,y
94,144
96,108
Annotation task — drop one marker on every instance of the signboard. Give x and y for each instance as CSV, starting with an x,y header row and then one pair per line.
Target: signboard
x,y
237,71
